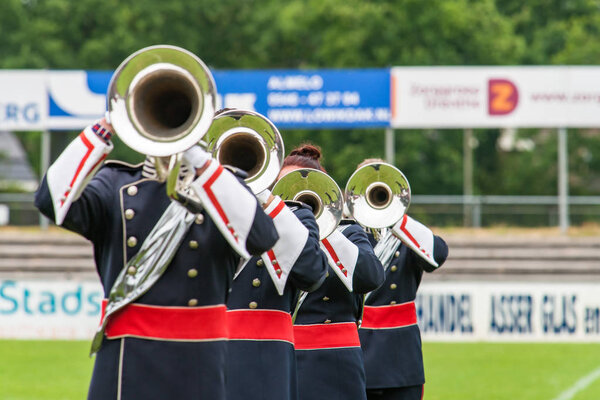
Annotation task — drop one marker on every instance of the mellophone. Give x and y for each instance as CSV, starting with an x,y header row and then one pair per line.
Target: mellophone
x,y
162,101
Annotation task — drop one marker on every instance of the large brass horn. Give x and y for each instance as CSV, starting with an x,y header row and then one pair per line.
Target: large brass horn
x,y
249,141
318,190
161,100
377,195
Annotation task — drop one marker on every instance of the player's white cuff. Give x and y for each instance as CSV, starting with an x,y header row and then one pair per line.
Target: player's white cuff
x,y
342,255
71,172
416,236
229,204
292,239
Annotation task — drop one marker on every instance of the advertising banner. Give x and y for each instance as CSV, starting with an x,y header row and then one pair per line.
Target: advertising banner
x,y
509,311
35,309
310,99
447,311
23,100
290,98
498,97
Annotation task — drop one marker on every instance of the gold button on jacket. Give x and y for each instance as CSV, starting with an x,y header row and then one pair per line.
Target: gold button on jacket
x,y
132,190
132,241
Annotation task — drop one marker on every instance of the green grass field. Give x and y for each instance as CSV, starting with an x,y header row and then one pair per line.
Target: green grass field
x,y
44,370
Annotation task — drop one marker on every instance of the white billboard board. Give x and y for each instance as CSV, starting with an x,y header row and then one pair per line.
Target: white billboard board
x,y
497,97
23,100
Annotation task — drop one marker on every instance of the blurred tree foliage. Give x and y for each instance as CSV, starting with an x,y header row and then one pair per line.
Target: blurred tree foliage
x,y
234,34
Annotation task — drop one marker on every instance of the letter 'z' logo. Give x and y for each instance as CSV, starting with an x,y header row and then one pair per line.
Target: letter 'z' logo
x,y
503,97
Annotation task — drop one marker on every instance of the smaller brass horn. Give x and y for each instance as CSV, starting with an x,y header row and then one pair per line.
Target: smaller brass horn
x,y
319,191
249,141
377,195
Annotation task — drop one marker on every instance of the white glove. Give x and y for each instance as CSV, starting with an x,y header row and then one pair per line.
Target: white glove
x,y
263,196
196,156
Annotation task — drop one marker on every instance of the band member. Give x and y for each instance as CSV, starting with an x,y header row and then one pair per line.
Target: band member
x,y
328,354
165,270
261,362
389,334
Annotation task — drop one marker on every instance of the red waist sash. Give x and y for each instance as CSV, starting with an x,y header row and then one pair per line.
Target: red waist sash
x,y
260,325
168,323
326,336
387,317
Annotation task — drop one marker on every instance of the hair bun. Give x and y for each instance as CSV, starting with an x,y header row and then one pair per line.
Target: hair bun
x,y
307,150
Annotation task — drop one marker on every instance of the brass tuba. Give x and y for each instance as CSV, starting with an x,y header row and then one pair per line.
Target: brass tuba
x,y
249,141
319,191
377,195
161,100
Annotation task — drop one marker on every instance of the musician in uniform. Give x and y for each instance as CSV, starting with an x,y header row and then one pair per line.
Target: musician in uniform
x,y
389,334
328,354
166,271
261,362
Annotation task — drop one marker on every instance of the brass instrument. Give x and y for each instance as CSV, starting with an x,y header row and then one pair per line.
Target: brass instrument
x,y
161,100
319,191
377,195
249,141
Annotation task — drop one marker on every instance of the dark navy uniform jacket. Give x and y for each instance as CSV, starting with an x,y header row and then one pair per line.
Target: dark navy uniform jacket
x,y
116,211
266,369
393,357
338,373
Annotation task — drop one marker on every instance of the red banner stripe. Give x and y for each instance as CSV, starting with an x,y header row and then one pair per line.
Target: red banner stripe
x,y
326,336
334,256
260,325
392,316
169,323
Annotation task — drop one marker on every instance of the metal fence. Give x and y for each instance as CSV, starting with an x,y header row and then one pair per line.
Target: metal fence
x,y
474,211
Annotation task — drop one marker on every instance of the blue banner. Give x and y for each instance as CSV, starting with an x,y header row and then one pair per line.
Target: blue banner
x,y
289,98
311,99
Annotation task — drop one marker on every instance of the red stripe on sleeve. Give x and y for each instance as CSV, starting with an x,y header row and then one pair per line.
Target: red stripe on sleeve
x,y
207,188
407,233
90,148
277,210
334,256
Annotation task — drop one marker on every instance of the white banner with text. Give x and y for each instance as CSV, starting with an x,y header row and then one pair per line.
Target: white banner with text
x,y
496,97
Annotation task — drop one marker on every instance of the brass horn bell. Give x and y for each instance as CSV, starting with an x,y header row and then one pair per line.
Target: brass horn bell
x,y
249,141
318,190
377,195
161,100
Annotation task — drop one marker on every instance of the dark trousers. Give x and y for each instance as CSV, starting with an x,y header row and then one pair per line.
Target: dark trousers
x,y
404,393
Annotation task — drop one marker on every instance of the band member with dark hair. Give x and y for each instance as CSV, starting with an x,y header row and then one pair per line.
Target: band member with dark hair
x,y
261,362
330,363
166,271
389,334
